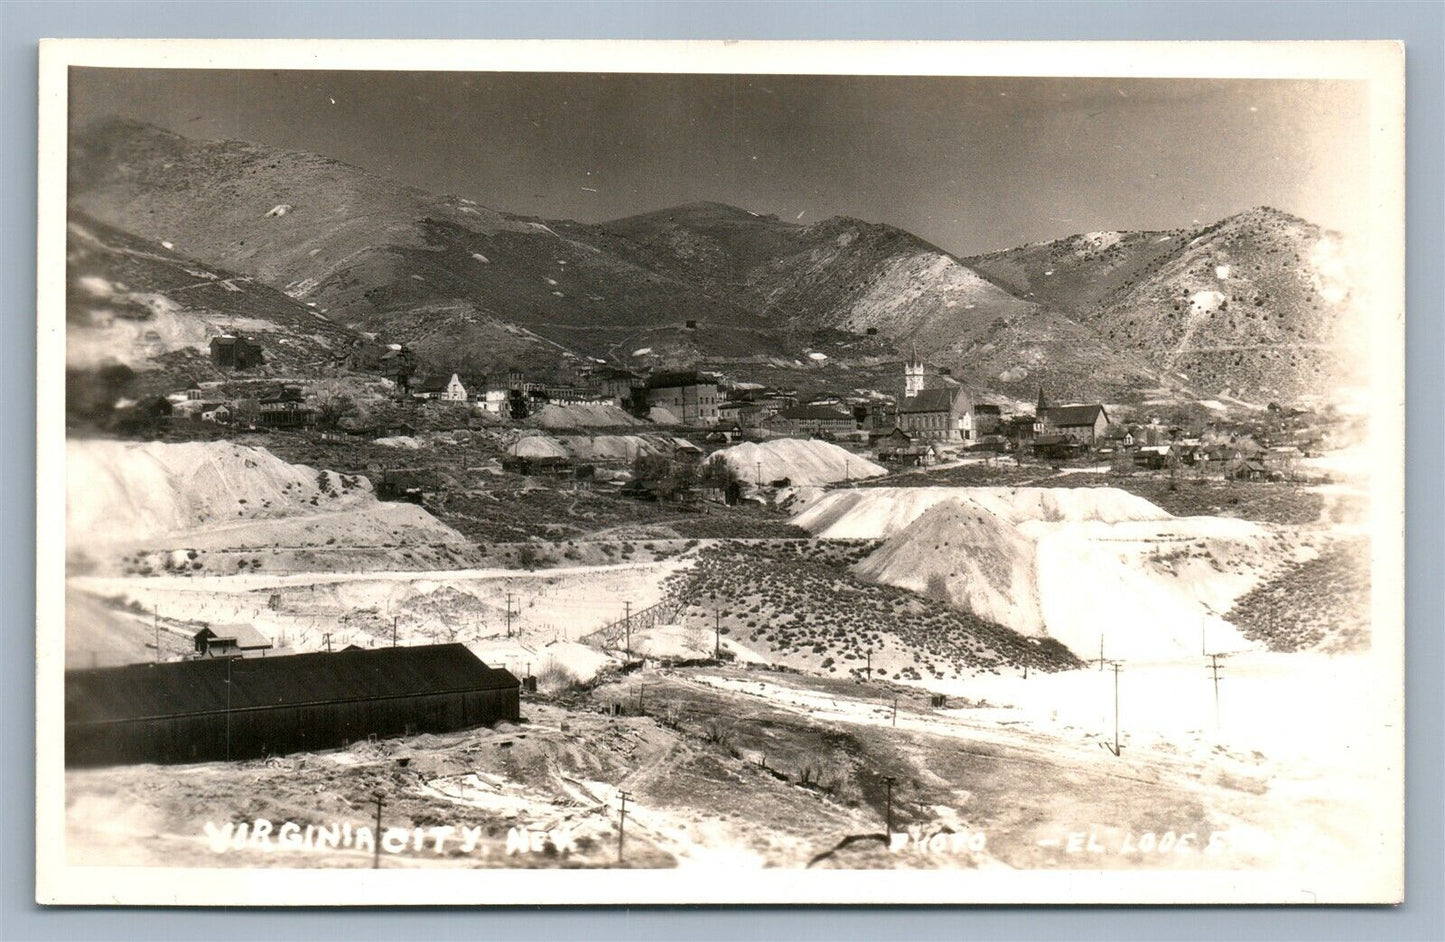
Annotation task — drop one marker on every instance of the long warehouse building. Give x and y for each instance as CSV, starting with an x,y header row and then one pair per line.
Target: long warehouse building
x,y
245,708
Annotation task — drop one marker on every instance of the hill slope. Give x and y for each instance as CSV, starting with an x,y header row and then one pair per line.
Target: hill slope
x,y
135,301
1259,304
1251,303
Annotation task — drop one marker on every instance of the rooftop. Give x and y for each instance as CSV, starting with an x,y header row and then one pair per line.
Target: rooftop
x,y
181,688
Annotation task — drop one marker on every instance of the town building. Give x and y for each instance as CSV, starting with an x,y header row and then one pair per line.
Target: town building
x,y
285,408
219,413
943,413
228,708
233,352
898,447
688,395
811,420
934,408
1085,423
440,386
240,640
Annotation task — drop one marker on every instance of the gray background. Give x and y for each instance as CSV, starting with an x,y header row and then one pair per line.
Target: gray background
x,y
1420,24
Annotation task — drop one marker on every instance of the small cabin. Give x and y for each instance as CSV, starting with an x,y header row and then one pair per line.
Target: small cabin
x,y
231,641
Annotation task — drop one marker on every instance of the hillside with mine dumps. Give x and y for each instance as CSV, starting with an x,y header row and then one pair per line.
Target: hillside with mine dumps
x,y
1046,562
141,303
188,507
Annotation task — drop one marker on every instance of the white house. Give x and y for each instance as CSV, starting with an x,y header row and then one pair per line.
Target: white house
x,y
221,414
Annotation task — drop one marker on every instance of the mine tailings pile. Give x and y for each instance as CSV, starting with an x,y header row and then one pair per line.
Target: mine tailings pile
x,y
1079,565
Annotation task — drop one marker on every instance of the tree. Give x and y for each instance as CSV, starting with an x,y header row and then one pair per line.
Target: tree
x,y
332,404
670,480
716,472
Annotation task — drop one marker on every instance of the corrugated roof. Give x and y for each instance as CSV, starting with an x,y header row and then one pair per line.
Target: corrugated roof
x,y
1073,416
179,688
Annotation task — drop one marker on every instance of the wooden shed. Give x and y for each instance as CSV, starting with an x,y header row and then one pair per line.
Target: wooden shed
x,y
244,708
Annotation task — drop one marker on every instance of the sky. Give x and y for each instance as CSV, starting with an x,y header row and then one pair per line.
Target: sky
x,y
969,164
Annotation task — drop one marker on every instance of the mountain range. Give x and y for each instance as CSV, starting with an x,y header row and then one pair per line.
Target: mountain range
x,y
1251,305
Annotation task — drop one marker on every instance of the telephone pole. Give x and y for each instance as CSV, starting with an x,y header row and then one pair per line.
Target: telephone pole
x,y
621,822
627,626
1214,669
509,614
327,638
156,626
1115,747
888,781
895,711
868,671
717,634
376,849
394,619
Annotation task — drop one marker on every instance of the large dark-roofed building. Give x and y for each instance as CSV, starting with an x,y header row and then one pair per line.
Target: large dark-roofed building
x,y
244,708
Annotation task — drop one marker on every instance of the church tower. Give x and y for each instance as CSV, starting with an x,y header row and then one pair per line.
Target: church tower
x,y
912,376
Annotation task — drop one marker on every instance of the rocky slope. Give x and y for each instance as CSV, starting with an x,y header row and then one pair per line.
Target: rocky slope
x,y
141,303
1258,305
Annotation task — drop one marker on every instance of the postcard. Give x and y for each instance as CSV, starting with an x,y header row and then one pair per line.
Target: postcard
x,y
698,472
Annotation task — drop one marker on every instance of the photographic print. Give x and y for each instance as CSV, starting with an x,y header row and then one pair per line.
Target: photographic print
x,y
496,473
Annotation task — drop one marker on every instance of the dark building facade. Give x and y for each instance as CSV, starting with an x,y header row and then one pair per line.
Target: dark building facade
x,y
246,708
229,351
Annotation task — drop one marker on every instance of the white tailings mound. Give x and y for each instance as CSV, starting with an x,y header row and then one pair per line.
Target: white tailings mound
x,y
984,561
1076,565
800,461
874,513
583,415
216,494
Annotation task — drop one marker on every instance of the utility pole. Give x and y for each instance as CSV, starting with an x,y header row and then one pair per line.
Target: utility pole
x,y
1115,747
628,629
1101,652
376,848
888,781
895,711
759,479
156,625
621,822
327,638
1214,669
717,634
509,614
868,671
393,629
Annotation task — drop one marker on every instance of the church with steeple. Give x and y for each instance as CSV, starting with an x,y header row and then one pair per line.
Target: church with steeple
x,y
935,406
